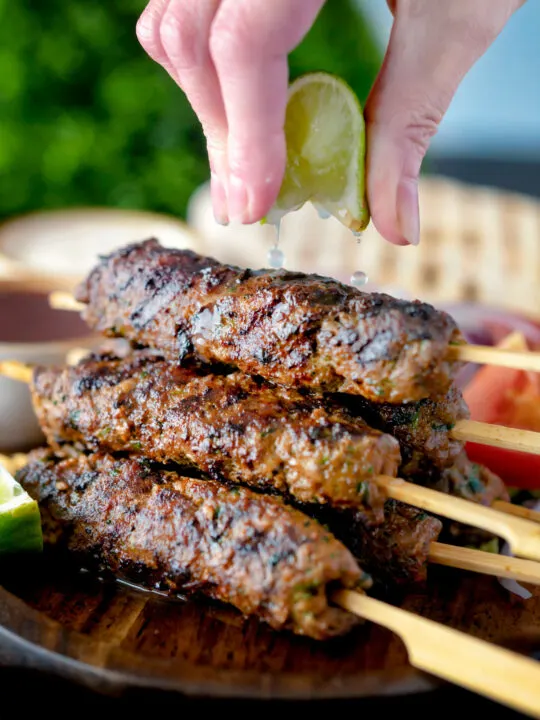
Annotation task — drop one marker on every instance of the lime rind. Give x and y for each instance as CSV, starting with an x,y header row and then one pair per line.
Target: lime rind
x,y
20,521
325,134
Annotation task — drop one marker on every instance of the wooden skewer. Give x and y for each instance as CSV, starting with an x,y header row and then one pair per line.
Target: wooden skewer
x,y
491,671
518,510
478,561
523,536
516,342
482,354
16,371
60,300
15,462
485,355
497,436
439,503
76,354
515,346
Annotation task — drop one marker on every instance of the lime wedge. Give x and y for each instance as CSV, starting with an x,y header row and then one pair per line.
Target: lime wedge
x,y
20,522
325,133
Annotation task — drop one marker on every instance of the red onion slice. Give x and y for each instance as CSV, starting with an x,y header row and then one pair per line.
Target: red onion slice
x,y
512,585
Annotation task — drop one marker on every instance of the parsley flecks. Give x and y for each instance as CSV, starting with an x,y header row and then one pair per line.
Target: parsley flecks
x,y
307,589
442,427
474,482
361,487
74,417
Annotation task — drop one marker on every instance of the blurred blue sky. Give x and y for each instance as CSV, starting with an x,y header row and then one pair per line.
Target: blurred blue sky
x,y
496,111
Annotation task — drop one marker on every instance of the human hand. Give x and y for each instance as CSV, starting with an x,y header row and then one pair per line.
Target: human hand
x,y
230,58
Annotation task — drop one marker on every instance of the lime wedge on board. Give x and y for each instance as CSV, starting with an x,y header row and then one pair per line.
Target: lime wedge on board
x,y
325,133
20,522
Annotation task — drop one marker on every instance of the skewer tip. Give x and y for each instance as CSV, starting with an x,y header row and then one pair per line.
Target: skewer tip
x,y
60,300
16,371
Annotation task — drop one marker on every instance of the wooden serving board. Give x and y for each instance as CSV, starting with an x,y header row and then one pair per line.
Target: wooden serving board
x,y
110,638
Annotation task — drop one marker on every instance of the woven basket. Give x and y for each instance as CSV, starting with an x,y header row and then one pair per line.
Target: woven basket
x,y
477,244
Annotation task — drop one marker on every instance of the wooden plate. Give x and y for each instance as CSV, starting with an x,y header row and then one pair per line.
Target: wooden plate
x,y
111,637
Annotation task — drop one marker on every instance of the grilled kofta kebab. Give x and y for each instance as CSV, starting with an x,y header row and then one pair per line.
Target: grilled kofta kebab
x,y
184,535
231,427
429,454
293,329
396,552
423,429
244,430
149,524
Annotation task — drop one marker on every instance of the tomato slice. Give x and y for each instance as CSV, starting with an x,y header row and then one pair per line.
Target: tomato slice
x,y
511,398
517,469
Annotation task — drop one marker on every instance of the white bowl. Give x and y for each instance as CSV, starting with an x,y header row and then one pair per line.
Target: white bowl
x,y
19,429
53,250
64,245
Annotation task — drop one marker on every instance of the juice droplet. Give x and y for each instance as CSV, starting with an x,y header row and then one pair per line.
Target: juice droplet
x,y
359,278
275,258
277,225
323,214
358,236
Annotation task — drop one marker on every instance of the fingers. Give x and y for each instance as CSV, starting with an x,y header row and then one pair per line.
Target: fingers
x,y
433,44
176,34
148,34
249,44
230,58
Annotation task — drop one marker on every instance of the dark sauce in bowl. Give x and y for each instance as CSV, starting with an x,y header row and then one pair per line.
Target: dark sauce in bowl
x,y
26,317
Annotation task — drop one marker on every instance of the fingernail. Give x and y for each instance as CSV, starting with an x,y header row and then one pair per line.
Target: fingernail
x,y
237,200
219,200
408,212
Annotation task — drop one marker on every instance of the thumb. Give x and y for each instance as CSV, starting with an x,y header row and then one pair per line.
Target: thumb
x,y
433,44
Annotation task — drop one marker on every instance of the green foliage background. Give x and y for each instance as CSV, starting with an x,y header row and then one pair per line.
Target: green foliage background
x,y
86,118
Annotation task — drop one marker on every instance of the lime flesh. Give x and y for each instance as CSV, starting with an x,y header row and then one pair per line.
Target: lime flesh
x,y
325,133
20,522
